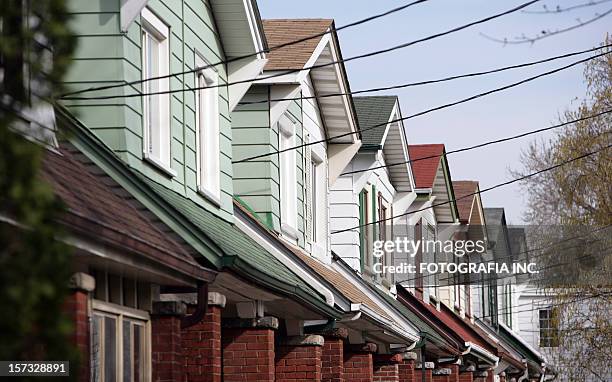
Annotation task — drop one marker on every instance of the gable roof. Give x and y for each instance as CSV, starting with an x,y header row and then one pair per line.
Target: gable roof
x,y
373,111
425,170
282,31
463,188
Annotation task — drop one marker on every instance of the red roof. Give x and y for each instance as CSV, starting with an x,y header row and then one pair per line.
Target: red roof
x,y
424,171
464,203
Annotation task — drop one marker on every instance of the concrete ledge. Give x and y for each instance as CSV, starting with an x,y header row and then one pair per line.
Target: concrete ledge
x,y
410,356
216,299
82,281
442,371
264,322
428,365
307,340
469,369
169,308
367,347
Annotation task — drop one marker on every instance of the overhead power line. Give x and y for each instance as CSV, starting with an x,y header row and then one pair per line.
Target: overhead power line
x,y
428,82
316,66
487,143
478,192
255,54
427,111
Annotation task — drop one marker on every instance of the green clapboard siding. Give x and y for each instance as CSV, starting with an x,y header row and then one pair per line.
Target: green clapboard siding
x,y
106,56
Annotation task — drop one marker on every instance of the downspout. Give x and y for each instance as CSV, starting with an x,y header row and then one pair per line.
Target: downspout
x,y
423,379
201,307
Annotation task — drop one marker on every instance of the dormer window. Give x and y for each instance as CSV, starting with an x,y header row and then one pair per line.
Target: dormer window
x,y
288,177
156,107
207,131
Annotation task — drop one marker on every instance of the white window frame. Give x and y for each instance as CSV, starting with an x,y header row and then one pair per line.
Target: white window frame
x,y
318,200
288,177
161,156
119,312
207,132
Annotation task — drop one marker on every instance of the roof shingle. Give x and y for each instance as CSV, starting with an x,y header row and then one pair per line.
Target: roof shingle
x,y
373,111
424,170
463,188
282,31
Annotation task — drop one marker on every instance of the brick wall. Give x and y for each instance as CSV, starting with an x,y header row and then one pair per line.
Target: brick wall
x,y
386,367
418,375
202,348
332,360
358,364
299,359
406,370
166,354
248,349
466,376
76,308
454,376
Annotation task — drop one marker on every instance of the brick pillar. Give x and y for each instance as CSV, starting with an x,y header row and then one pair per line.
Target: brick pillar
x,y
358,365
406,367
298,358
386,367
332,359
502,376
201,343
481,376
490,376
248,349
441,374
418,372
166,355
76,307
454,375
467,374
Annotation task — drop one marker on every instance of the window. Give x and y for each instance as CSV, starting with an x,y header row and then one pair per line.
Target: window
x,y
207,132
313,200
288,176
365,245
120,344
431,279
549,327
120,330
156,107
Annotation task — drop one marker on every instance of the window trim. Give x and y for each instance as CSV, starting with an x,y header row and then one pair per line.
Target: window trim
x,y
103,308
209,187
289,220
151,24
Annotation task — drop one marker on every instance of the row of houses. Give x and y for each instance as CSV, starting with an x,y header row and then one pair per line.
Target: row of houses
x,y
223,227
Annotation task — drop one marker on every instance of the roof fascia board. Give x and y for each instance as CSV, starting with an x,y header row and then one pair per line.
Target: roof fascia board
x,y
239,71
256,28
411,331
243,223
130,9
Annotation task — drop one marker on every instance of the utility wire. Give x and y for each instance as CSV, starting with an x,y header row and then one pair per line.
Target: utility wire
x,y
267,50
445,154
317,66
480,191
421,113
428,82
545,34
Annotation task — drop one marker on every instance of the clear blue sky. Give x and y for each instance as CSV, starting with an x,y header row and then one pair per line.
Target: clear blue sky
x,y
527,107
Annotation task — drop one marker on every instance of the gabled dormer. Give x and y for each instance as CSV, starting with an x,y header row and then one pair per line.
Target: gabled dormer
x,y
176,137
285,109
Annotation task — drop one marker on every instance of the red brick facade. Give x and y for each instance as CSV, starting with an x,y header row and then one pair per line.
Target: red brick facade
x,y
248,352
406,370
386,367
332,360
76,308
299,362
418,375
202,348
166,352
358,363
466,376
